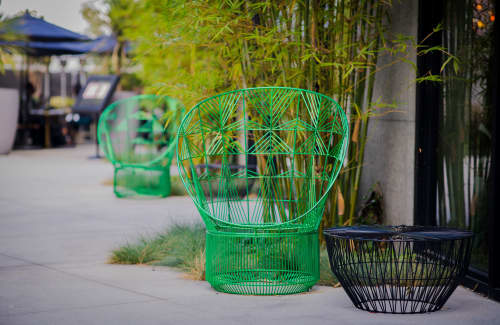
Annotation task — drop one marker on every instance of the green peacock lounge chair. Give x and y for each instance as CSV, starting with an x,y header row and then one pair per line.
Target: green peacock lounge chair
x,y
132,135
258,164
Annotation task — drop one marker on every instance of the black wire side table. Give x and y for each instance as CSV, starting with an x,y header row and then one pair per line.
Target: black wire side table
x,y
398,269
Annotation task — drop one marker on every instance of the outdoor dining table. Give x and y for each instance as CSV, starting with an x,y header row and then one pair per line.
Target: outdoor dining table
x,y
48,115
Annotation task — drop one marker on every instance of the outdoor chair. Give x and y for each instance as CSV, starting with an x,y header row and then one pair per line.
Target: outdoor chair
x,y
133,136
258,164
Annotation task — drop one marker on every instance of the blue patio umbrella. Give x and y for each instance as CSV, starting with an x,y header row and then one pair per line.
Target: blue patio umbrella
x,y
36,29
37,37
101,45
38,49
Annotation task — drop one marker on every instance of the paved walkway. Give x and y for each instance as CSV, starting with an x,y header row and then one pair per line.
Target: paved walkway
x,y
59,221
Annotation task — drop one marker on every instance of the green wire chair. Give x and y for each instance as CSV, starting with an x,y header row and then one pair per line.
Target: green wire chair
x,y
258,164
132,135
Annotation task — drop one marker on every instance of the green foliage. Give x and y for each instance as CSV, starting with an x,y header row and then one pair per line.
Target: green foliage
x,y
130,81
175,57
110,16
97,22
179,246
6,51
466,115
326,276
183,246
144,251
194,49
178,188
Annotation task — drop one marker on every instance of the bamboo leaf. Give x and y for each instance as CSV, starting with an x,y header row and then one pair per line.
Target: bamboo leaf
x,y
445,63
410,62
455,65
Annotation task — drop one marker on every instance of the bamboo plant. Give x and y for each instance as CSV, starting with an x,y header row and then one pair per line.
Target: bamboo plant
x,y
197,48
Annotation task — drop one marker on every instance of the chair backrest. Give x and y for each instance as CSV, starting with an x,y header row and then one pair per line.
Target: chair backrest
x,y
132,131
262,158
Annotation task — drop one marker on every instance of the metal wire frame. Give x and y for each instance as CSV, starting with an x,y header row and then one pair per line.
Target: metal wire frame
x,y
262,263
132,135
258,164
399,270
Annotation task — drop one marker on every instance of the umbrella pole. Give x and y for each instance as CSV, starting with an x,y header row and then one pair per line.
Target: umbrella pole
x,y
46,88
25,132
63,77
21,120
97,155
22,84
24,104
24,98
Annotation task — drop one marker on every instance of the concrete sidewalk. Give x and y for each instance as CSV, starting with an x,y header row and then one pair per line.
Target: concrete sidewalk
x,y
59,222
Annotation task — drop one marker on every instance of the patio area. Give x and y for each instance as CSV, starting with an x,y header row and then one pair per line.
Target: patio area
x,y
59,221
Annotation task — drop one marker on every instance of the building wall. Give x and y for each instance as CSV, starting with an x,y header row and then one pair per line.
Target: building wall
x,y
389,155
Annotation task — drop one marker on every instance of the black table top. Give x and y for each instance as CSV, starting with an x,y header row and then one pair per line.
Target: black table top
x,y
398,233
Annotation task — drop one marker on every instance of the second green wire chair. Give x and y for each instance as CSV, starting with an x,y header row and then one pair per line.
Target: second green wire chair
x,y
132,135
258,164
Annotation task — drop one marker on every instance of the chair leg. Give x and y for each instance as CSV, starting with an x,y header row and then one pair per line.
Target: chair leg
x,y
115,179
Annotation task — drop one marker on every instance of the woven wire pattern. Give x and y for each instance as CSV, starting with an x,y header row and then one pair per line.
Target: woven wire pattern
x,y
260,162
132,135
398,269
137,180
262,264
